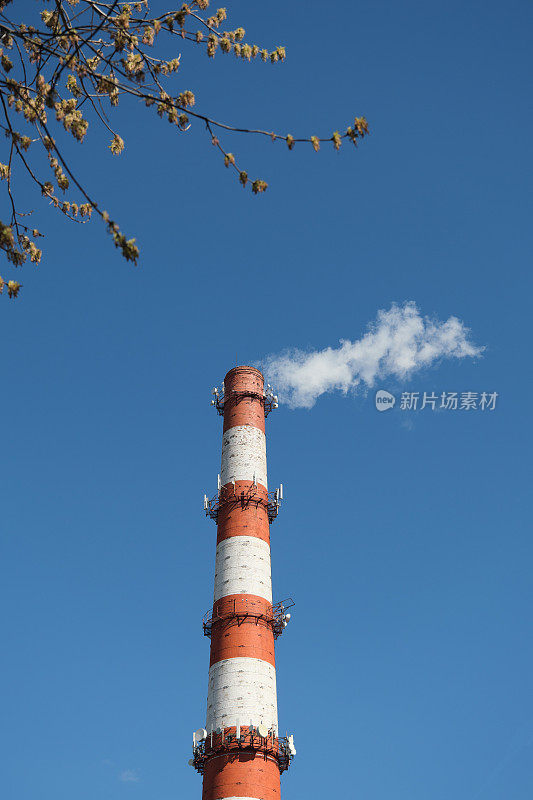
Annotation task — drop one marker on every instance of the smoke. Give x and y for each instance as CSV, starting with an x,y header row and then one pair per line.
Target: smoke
x,y
399,343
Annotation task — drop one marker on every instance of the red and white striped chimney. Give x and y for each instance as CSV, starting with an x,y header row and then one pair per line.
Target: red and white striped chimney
x,y
239,752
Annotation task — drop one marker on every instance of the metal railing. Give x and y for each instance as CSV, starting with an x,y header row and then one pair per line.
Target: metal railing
x,y
275,617
268,399
243,740
250,496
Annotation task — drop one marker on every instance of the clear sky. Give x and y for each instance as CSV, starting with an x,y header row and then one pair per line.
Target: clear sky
x,y
406,669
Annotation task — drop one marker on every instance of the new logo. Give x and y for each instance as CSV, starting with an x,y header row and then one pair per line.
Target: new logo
x,y
384,400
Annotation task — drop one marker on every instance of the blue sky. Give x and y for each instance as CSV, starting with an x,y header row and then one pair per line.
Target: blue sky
x,y
404,537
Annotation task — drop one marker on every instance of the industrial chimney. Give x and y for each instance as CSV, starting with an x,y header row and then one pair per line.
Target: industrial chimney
x,y
239,752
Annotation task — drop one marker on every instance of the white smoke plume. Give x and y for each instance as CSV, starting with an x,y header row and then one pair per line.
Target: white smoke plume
x,y
399,343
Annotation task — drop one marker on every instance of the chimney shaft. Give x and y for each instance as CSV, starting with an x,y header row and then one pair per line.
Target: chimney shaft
x,y
243,756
